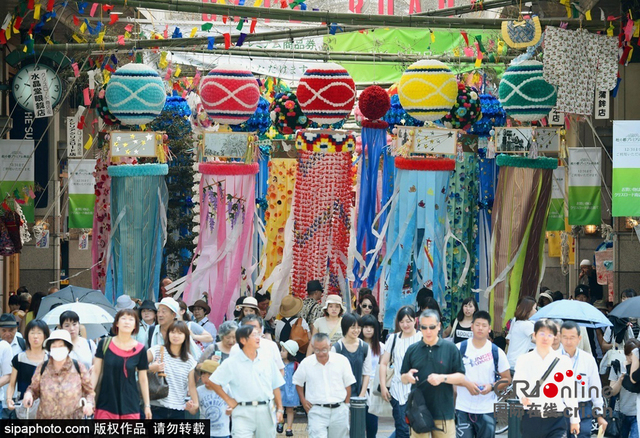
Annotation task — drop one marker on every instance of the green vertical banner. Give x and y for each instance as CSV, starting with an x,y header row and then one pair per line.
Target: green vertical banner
x,y
626,168
555,220
17,174
81,193
584,186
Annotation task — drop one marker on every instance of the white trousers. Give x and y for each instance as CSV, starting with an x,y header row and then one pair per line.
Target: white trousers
x,y
328,423
252,421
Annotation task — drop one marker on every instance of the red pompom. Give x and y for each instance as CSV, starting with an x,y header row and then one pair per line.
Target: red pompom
x,y
374,102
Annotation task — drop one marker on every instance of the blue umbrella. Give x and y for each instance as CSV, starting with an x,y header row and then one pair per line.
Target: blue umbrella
x,y
571,310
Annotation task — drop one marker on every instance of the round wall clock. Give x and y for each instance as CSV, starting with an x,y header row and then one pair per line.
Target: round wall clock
x,y
21,86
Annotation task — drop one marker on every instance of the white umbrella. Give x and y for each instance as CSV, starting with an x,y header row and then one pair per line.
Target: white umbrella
x,y
94,318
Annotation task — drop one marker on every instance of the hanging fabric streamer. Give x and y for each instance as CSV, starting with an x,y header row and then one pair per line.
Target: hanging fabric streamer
x,y
101,224
519,221
374,141
416,235
225,242
139,199
323,200
488,175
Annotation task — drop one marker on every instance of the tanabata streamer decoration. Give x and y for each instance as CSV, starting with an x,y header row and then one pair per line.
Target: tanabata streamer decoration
x,y
139,199
323,199
103,110
396,115
101,224
465,111
286,115
519,221
417,232
524,93
135,94
493,115
428,90
282,178
326,93
225,243
230,94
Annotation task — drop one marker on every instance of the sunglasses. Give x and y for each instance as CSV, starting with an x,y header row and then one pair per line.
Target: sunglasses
x,y
428,327
366,306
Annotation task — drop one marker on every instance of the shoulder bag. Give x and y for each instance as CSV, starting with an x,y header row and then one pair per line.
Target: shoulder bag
x,y
390,373
300,335
614,421
418,415
158,385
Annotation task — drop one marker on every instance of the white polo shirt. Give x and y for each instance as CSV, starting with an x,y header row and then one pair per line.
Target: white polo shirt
x,y
584,365
326,384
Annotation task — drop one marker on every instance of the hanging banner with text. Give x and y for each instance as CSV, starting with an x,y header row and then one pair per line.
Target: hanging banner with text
x,y
81,193
17,175
626,165
555,220
584,186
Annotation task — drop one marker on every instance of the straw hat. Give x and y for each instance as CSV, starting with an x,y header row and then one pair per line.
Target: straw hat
x,y
209,366
334,299
248,302
290,306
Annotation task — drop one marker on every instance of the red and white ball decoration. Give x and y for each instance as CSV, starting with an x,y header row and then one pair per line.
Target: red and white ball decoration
x,y
326,93
230,94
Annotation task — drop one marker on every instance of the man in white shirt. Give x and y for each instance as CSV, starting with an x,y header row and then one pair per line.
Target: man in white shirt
x,y
254,382
5,375
323,381
483,362
586,372
268,348
9,333
168,310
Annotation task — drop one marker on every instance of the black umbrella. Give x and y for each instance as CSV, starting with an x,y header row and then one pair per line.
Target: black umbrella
x,y
629,308
73,294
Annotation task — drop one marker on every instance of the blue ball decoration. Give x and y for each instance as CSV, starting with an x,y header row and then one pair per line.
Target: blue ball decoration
x,y
398,116
259,122
492,115
174,118
338,125
135,94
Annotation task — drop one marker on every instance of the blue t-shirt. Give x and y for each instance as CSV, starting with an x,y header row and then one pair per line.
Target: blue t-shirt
x,y
213,408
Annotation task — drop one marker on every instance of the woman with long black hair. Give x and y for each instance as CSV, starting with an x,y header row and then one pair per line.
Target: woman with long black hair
x,y
371,335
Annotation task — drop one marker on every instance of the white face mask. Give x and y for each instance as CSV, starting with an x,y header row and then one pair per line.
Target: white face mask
x,y
59,353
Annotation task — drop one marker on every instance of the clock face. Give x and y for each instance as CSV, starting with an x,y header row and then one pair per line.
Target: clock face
x,y
21,87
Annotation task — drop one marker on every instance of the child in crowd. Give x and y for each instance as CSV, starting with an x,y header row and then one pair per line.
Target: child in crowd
x,y
212,407
290,398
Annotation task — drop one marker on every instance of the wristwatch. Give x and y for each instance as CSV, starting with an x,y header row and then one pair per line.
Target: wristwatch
x,y
445,379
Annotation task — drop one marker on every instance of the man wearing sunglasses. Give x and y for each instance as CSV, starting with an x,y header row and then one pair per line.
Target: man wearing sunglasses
x,y
435,365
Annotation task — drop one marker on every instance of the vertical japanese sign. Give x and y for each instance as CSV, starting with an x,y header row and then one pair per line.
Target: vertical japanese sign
x,y
584,186
602,105
40,94
16,173
555,220
81,193
556,118
626,162
75,139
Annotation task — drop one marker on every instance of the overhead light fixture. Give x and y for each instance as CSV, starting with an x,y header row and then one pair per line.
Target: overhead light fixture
x,y
590,229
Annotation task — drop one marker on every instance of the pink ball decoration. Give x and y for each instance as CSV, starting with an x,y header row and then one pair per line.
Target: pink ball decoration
x,y
326,93
374,102
230,94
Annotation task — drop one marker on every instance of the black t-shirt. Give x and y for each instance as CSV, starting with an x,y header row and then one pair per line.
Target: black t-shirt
x,y
25,371
119,392
442,358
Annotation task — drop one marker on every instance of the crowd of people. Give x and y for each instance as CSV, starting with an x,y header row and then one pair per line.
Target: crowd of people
x,y
251,376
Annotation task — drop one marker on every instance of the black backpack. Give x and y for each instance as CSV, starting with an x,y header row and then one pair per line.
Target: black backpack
x,y
418,415
46,362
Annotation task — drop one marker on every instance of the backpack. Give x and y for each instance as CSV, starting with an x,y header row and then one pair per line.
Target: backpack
x,y
296,333
46,362
494,352
418,415
22,343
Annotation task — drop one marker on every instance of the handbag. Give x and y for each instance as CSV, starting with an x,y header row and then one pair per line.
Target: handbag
x,y
377,405
158,386
389,376
522,33
24,413
300,335
614,421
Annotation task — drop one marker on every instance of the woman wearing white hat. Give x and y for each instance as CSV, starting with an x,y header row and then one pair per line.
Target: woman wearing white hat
x,y
61,383
329,324
249,306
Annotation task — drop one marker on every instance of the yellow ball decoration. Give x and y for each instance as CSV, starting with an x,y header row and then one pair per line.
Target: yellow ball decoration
x,y
428,90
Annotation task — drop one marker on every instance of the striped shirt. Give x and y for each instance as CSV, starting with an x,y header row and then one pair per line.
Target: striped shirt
x,y
399,391
177,373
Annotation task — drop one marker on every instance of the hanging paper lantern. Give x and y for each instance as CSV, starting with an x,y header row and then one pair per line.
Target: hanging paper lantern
x,y
465,111
286,115
524,94
428,90
327,93
493,115
374,102
230,94
135,94
398,116
103,110
259,122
